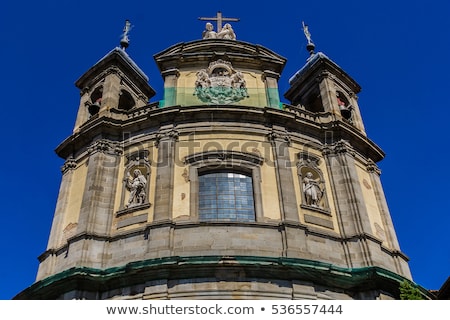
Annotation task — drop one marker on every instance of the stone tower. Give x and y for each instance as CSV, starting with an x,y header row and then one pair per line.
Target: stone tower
x,y
219,191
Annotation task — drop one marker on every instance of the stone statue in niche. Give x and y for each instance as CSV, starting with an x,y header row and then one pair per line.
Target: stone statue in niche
x,y
136,185
312,191
209,33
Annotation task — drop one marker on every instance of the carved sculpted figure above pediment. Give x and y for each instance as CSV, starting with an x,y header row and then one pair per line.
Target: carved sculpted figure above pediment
x,y
220,83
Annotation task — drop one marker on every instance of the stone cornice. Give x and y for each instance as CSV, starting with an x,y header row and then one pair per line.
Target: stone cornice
x,y
293,120
280,225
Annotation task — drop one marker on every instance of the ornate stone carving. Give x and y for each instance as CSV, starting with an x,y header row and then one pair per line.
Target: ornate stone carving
x,y
135,182
339,147
209,32
343,146
69,164
312,191
305,159
136,185
105,146
220,83
281,136
113,70
312,183
172,134
372,167
227,32
137,157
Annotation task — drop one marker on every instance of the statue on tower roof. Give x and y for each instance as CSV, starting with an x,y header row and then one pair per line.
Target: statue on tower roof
x,y
124,42
310,46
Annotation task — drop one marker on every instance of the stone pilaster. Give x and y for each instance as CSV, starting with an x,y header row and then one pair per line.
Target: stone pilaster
x,y
111,89
83,114
270,79
97,207
327,92
352,215
56,234
357,118
391,240
170,86
285,182
165,175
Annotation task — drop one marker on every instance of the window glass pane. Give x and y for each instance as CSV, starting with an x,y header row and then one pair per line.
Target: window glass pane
x,y
226,196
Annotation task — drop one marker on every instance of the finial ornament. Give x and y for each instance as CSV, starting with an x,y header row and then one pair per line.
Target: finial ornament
x,y
223,32
310,45
124,42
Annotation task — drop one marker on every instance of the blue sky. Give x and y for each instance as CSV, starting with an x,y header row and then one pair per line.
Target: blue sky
x,y
397,52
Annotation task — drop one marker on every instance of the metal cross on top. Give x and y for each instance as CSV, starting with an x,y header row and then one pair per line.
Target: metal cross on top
x,y
220,19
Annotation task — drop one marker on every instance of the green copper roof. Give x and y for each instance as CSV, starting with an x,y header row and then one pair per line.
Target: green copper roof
x,y
98,280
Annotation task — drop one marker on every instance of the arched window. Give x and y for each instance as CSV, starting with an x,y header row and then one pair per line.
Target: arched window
x,y
225,186
96,100
344,106
126,101
225,196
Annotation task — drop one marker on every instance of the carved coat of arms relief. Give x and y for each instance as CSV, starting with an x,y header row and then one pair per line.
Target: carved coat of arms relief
x,y
220,83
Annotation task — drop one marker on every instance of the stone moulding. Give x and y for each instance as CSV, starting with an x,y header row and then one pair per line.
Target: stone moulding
x,y
133,209
196,267
223,155
153,117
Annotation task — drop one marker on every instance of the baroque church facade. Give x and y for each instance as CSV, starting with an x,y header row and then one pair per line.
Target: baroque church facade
x,y
220,190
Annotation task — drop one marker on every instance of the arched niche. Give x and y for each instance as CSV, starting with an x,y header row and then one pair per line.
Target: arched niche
x,y
126,101
345,107
136,182
312,183
96,100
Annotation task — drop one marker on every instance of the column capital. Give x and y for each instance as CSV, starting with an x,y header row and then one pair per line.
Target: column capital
x,y
69,164
171,72
275,136
270,74
167,135
105,146
339,147
372,167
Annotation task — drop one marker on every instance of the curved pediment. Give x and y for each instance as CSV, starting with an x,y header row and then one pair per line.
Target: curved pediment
x,y
220,71
202,52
